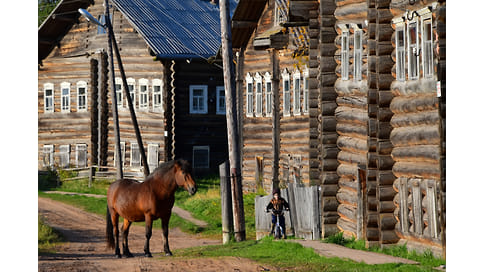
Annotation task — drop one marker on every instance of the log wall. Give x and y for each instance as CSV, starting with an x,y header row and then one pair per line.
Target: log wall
x,y
351,116
418,121
70,62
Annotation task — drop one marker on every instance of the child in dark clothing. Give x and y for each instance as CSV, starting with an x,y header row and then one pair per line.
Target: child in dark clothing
x,y
277,204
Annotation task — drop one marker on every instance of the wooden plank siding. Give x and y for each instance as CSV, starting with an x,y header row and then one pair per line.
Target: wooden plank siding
x,y
417,140
70,62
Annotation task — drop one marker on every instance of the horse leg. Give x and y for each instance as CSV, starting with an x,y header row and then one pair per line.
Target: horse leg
x,y
115,219
164,226
126,225
148,231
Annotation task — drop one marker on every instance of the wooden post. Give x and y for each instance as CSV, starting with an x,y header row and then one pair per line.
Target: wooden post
x,y
231,114
275,118
226,202
91,173
119,169
361,210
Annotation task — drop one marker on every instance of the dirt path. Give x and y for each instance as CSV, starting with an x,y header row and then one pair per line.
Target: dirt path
x,y
86,248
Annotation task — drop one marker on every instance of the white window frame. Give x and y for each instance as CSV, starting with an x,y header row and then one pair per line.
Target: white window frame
x,y
157,97
204,89
65,98
427,46
153,156
132,91
201,148
135,162
122,155
221,109
268,93
81,84
286,93
64,156
50,98
258,95
144,97
119,91
48,151
413,49
296,92
249,87
400,42
357,53
81,148
279,15
345,60
306,90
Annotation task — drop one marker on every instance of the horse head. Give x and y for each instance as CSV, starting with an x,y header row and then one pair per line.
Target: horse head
x,y
183,176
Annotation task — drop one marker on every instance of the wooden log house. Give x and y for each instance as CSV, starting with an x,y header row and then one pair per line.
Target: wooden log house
x,y
365,124
177,94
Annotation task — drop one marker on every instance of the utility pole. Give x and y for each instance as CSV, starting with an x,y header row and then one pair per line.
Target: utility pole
x,y
144,160
231,114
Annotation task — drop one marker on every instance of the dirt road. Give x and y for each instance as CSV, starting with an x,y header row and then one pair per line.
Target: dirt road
x,y
86,248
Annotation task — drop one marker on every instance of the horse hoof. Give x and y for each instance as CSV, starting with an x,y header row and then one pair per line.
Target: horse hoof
x,y
118,256
129,255
148,255
168,254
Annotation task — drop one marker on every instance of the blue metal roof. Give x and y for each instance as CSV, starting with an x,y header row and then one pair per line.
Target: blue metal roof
x,y
176,28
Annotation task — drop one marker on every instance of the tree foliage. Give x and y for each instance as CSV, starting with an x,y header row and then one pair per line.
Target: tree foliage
x,y
45,7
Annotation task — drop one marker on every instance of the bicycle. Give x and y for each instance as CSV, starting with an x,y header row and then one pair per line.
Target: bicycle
x,y
278,231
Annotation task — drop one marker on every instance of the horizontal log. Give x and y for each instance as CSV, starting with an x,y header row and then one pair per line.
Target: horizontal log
x,y
415,135
329,189
352,130
404,104
420,170
347,227
351,12
330,164
347,197
417,153
386,207
385,193
349,184
388,237
385,162
329,152
347,170
347,212
329,178
387,221
352,101
328,107
329,203
372,234
385,177
384,147
384,114
416,118
352,144
329,218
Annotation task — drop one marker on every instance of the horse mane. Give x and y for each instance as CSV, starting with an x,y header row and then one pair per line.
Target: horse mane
x,y
167,166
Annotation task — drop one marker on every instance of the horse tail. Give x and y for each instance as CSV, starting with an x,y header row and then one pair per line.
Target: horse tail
x,y
109,229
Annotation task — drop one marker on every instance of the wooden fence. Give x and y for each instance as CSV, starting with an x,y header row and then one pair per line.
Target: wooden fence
x,y
304,218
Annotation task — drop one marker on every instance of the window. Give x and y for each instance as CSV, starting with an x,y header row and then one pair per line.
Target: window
x,y
81,96
143,94
345,54
48,156
65,97
64,154
250,95
123,153
198,99
427,46
132,91
281,11
157,95
201,156
413,49
81,155
400,51
220,100
153,156
48,97
296,92
268,85
119,91
135,155
358,52
258,94
286,98
306,90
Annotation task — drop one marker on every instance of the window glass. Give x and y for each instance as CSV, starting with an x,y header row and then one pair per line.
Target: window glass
x,y
427,49
220,100
201,157
400,53
198,97
344,55
413,51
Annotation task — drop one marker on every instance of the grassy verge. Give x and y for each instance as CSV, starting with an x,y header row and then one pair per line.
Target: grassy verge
x,y
48,237
289,256
425,259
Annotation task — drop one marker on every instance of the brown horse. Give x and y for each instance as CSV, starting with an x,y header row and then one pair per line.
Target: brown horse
x,y
146,201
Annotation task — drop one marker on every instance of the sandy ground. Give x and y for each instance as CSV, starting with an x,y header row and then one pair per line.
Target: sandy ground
x,y
86,247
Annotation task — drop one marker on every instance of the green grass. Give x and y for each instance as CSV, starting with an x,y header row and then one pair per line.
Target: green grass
x,y
47,237
288,256
426,259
